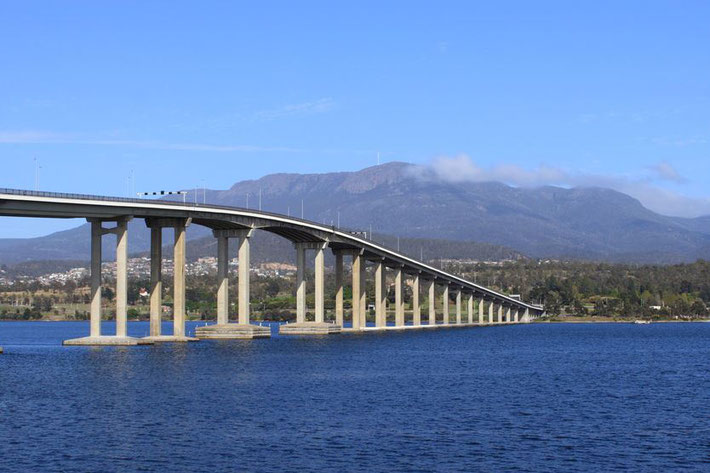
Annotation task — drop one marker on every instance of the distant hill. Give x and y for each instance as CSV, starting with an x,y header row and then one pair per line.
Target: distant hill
x,y
398,199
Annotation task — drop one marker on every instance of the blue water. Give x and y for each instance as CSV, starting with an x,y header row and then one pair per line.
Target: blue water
x,y
526,398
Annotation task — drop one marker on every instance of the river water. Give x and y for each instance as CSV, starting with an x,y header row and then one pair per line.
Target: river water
x,y
540,397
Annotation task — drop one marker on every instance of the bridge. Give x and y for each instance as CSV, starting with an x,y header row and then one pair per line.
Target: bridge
x,y
110,215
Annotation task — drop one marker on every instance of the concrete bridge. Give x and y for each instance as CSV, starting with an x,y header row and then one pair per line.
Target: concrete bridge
x,y
109,215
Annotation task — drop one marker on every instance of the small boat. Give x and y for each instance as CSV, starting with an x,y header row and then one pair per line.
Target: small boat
x,y
642,322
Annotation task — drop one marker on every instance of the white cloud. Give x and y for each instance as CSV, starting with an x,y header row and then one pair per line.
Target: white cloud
x,y
306,108
463,169
666,172
45,137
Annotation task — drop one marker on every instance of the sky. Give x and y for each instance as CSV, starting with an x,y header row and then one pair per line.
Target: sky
x,y
186,94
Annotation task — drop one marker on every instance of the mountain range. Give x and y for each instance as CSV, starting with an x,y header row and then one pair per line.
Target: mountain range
x,y
403,199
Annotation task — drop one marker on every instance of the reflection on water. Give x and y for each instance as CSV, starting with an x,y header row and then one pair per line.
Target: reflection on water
x,y
518,398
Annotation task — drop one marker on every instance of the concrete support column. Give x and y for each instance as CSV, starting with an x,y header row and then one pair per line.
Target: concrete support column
x,y
470,309
300,283
380,295
156,280
363,293
526,317
121,337
416,310
432,303
458,307
222,280
339,289
243,290
516,316
445,304
320,283
179,280
481,304
398,298
508,315
500,314
490,312
357,282
121,277
96,234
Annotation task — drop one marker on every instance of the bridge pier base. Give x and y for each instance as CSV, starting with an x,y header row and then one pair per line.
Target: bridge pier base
x,y
224,330
318,326
95,337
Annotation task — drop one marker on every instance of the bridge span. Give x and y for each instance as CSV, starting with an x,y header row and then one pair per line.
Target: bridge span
x,y
110,215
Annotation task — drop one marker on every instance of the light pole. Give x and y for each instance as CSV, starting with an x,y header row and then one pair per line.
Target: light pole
x,y
37,168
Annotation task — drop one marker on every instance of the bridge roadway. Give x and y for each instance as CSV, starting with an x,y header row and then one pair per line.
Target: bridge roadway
x,y
484,306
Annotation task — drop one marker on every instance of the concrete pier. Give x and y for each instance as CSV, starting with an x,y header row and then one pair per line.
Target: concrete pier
x,y
320,283
490,312
445,304
470,309
432,303
96,236
317,326
222,279
300,283
156,285
380,295
179,260
458,307
416,309
156,280
339,289
224,329
500,313
358,282
398,298
480,311
363,294
95,337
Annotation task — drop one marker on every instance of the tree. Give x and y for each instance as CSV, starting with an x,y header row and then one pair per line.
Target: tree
x,y
107,293
698,308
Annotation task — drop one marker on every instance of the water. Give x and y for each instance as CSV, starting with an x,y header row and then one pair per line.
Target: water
x,y
521,398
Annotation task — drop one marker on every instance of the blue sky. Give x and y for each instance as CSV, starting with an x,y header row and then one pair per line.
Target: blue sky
x,y
186,93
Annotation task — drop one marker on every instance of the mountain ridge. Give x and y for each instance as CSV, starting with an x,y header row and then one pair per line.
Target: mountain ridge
x,y
592,223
